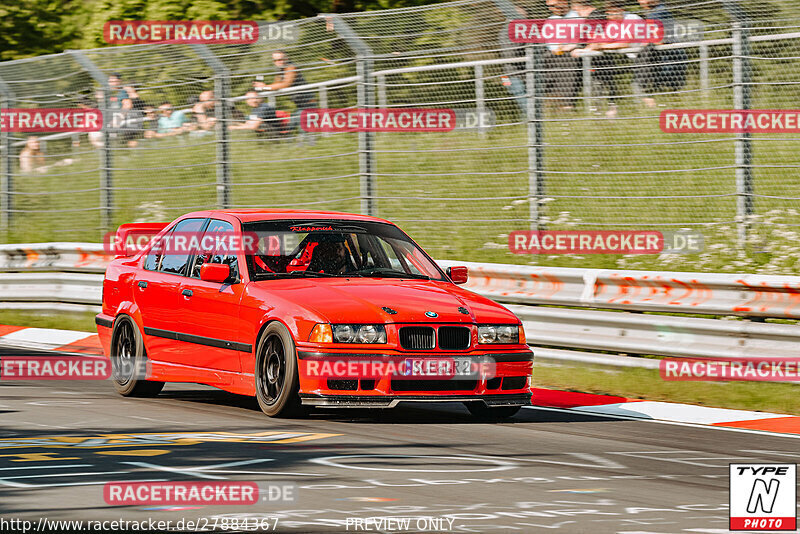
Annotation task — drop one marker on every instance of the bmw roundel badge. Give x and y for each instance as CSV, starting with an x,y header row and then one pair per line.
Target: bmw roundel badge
x,y
431,314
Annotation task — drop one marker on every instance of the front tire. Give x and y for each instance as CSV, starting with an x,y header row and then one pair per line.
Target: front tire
x,y
128,361
491,414
276,377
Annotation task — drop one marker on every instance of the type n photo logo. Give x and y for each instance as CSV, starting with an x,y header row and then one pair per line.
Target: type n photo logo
x,y
763,497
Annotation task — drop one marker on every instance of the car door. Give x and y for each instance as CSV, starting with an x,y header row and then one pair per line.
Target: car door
x,y
209,310
157,288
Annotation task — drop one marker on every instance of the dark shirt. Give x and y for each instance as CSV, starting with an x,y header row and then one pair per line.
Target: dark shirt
x,y
266,114
301,99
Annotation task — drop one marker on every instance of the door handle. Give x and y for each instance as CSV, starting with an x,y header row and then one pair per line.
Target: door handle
x,y
142,284
187,293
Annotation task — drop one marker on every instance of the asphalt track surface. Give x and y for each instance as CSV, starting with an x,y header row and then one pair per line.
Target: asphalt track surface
x,y
544,471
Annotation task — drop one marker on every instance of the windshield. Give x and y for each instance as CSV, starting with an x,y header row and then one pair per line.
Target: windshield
x,y
335,248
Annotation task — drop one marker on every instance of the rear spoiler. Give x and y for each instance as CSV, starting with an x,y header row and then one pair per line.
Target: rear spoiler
x,y
134,237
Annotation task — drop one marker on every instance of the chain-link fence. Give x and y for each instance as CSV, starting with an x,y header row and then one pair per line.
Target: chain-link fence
x,y
574,140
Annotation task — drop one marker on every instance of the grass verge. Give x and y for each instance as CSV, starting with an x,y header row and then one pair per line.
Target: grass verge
x,y
81,321
647,384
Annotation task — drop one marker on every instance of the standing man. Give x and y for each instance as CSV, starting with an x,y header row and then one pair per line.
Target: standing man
x,y
606,66
290,76
660,70
563,76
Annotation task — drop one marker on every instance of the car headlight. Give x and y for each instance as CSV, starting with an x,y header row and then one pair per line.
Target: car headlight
x,y
355,333
505,334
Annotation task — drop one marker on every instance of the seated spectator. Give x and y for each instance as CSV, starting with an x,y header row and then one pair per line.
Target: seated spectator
x,y
262,120
203,111
171,122
31,158
660,70
118,94
127,123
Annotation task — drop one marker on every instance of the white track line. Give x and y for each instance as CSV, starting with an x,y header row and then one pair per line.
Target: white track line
x,y
643,419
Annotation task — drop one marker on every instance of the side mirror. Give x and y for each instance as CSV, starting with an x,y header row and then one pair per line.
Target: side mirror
x,y
215,272
459,274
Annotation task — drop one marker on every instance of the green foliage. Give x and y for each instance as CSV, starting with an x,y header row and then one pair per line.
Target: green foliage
x,y
35,27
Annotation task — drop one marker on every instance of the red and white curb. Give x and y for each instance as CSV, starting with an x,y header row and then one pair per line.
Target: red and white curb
x,y
50,339
670,412
586,403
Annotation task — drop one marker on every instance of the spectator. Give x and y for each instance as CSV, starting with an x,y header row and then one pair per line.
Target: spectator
x,y
203,111
605,66
170,123
31,158
660,70
263,119
127,122
563,70
290,76
118,94
514,78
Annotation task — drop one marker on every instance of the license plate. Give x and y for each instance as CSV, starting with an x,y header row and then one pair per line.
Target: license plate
x,y
439,367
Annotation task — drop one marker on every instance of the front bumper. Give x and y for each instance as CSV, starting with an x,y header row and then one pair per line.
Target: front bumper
x,y
387,401
508,383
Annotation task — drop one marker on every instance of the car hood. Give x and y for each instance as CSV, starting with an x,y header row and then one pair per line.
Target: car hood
x,y
348,300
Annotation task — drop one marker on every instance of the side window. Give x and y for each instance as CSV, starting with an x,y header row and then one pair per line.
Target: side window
x,y
153,259
216,246
176,256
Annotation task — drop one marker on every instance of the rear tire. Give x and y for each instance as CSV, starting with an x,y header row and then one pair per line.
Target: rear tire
x,y
276,377
128,361
491,414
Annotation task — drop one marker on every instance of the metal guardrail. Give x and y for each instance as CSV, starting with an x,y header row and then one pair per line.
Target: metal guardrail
x,y
564,311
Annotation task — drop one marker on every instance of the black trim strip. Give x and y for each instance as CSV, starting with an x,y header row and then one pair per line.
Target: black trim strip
x,y
499,358
102,321
198,340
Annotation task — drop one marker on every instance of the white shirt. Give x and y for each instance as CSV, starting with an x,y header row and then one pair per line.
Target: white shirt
x,y
571,14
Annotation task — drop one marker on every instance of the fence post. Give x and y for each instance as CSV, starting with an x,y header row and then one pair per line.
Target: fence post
x,y
323,103
6,164
703,49
533,96
536,178
742,78
586,64
106,165
480,98
366,100
222,94
381,80
744,154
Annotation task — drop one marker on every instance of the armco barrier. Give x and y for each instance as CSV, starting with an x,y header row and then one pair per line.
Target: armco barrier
x,y
673,292
536,294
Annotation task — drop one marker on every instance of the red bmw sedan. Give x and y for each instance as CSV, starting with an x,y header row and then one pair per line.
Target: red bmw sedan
x,y
303,309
